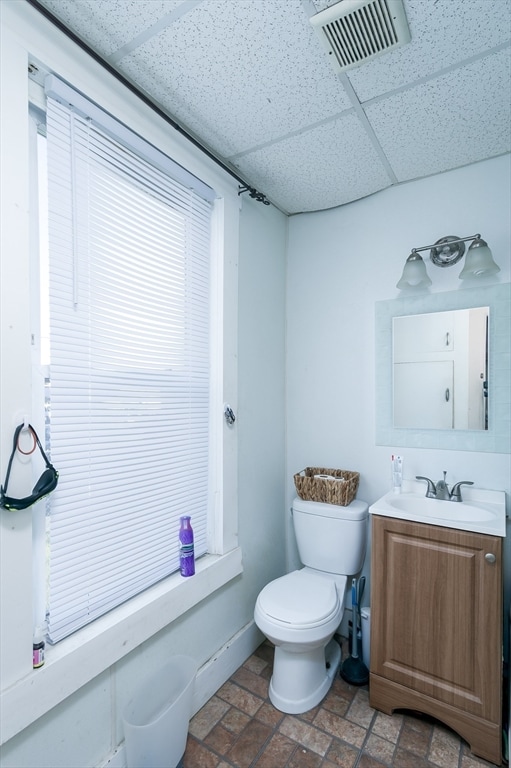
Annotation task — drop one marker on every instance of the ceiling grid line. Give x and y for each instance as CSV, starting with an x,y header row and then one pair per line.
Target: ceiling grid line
x,y
439,73
359,110
185,7
292,134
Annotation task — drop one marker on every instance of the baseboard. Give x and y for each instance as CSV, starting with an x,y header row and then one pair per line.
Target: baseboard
x,y
213,674
210,677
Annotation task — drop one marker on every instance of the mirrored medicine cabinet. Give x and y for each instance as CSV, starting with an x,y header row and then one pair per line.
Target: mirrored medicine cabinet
x,y
440,370
443,370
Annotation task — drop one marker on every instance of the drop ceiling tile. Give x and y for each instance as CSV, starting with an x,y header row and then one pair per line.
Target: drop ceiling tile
x,y
239,74
107,25
444,33
321,168
448,122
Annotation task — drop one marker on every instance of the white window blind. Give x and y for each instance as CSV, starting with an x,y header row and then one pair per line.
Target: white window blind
x,y
129,362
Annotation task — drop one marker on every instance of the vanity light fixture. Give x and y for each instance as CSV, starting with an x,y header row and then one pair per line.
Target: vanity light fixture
x,y
444,253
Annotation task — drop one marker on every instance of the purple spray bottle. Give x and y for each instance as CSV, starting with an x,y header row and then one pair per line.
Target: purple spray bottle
x,y
186,553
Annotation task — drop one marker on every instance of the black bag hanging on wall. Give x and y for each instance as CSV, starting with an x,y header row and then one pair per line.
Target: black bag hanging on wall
x,y
46,483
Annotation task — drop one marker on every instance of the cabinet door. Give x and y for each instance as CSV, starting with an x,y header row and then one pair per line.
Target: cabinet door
x,y
424,395
415,336
437,613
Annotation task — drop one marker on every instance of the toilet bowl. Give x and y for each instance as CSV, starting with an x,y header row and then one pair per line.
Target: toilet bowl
x,y
301,611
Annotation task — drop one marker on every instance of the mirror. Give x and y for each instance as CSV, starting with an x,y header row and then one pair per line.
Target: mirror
x,y
440,370
495,439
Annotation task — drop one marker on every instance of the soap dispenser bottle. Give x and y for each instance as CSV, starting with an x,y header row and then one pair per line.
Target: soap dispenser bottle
x,y
186,548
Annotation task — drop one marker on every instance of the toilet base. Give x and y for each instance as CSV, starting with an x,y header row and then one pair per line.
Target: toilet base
x,y
302,680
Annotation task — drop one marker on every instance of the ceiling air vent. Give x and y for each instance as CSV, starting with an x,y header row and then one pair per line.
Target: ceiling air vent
x,y
355,31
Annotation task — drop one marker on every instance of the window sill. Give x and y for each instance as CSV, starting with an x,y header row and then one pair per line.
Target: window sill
x,y
90,651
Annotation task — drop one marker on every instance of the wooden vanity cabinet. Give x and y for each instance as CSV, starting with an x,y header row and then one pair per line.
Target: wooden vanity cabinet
x,y
436,627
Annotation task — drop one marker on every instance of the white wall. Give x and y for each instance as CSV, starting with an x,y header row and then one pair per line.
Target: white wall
x,y
261,391
342,261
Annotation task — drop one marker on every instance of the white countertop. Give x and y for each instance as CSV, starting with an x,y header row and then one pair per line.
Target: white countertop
x,y
481,511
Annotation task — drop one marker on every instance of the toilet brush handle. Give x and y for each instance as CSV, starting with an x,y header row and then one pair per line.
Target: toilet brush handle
x,y
360,593
354,641
361,587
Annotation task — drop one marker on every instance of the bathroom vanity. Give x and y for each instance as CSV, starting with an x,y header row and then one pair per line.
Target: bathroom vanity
x,y
436,615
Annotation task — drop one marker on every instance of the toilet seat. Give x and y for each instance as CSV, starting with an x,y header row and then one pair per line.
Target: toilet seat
x,y
302,599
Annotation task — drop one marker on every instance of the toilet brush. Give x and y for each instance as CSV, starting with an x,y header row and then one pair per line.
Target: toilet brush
x,y
353,669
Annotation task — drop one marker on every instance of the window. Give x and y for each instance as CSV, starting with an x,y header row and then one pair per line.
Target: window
x,y
130,385
26,695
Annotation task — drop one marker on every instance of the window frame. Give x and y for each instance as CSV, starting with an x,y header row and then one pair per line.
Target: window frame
x,y
27,694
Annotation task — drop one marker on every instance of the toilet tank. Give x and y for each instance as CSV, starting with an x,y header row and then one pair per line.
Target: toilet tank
x,y
331,538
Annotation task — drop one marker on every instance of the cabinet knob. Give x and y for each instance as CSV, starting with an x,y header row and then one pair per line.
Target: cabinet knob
x,y
490,557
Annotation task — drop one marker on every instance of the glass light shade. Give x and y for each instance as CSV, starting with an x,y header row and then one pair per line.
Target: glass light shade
x,y
414,273
478,261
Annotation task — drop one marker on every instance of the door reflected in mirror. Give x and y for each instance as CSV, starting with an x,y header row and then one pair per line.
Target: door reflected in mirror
x,y
440,370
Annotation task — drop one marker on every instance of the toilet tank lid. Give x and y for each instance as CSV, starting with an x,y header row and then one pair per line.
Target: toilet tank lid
x,y
357,510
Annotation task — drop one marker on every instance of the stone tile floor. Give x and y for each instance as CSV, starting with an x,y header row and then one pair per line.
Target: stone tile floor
x,y
239,728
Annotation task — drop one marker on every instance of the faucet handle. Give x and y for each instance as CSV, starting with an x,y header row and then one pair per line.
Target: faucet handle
x,y
456,492
431,489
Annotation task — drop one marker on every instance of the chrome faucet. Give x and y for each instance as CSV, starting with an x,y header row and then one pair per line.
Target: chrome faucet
x,y
441,489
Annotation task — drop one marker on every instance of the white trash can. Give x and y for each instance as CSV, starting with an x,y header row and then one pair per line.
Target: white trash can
x,y
156,718
365,613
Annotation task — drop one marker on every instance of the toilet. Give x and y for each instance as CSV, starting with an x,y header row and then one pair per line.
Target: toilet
x,y
300,612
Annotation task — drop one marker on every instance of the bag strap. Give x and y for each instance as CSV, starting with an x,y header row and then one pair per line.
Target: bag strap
x,y
15,445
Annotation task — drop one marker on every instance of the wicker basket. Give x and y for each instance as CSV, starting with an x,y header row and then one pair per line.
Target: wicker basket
x,y
341,492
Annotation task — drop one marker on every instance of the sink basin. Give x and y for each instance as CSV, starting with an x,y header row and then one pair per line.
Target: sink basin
x,y
445,510
481,511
